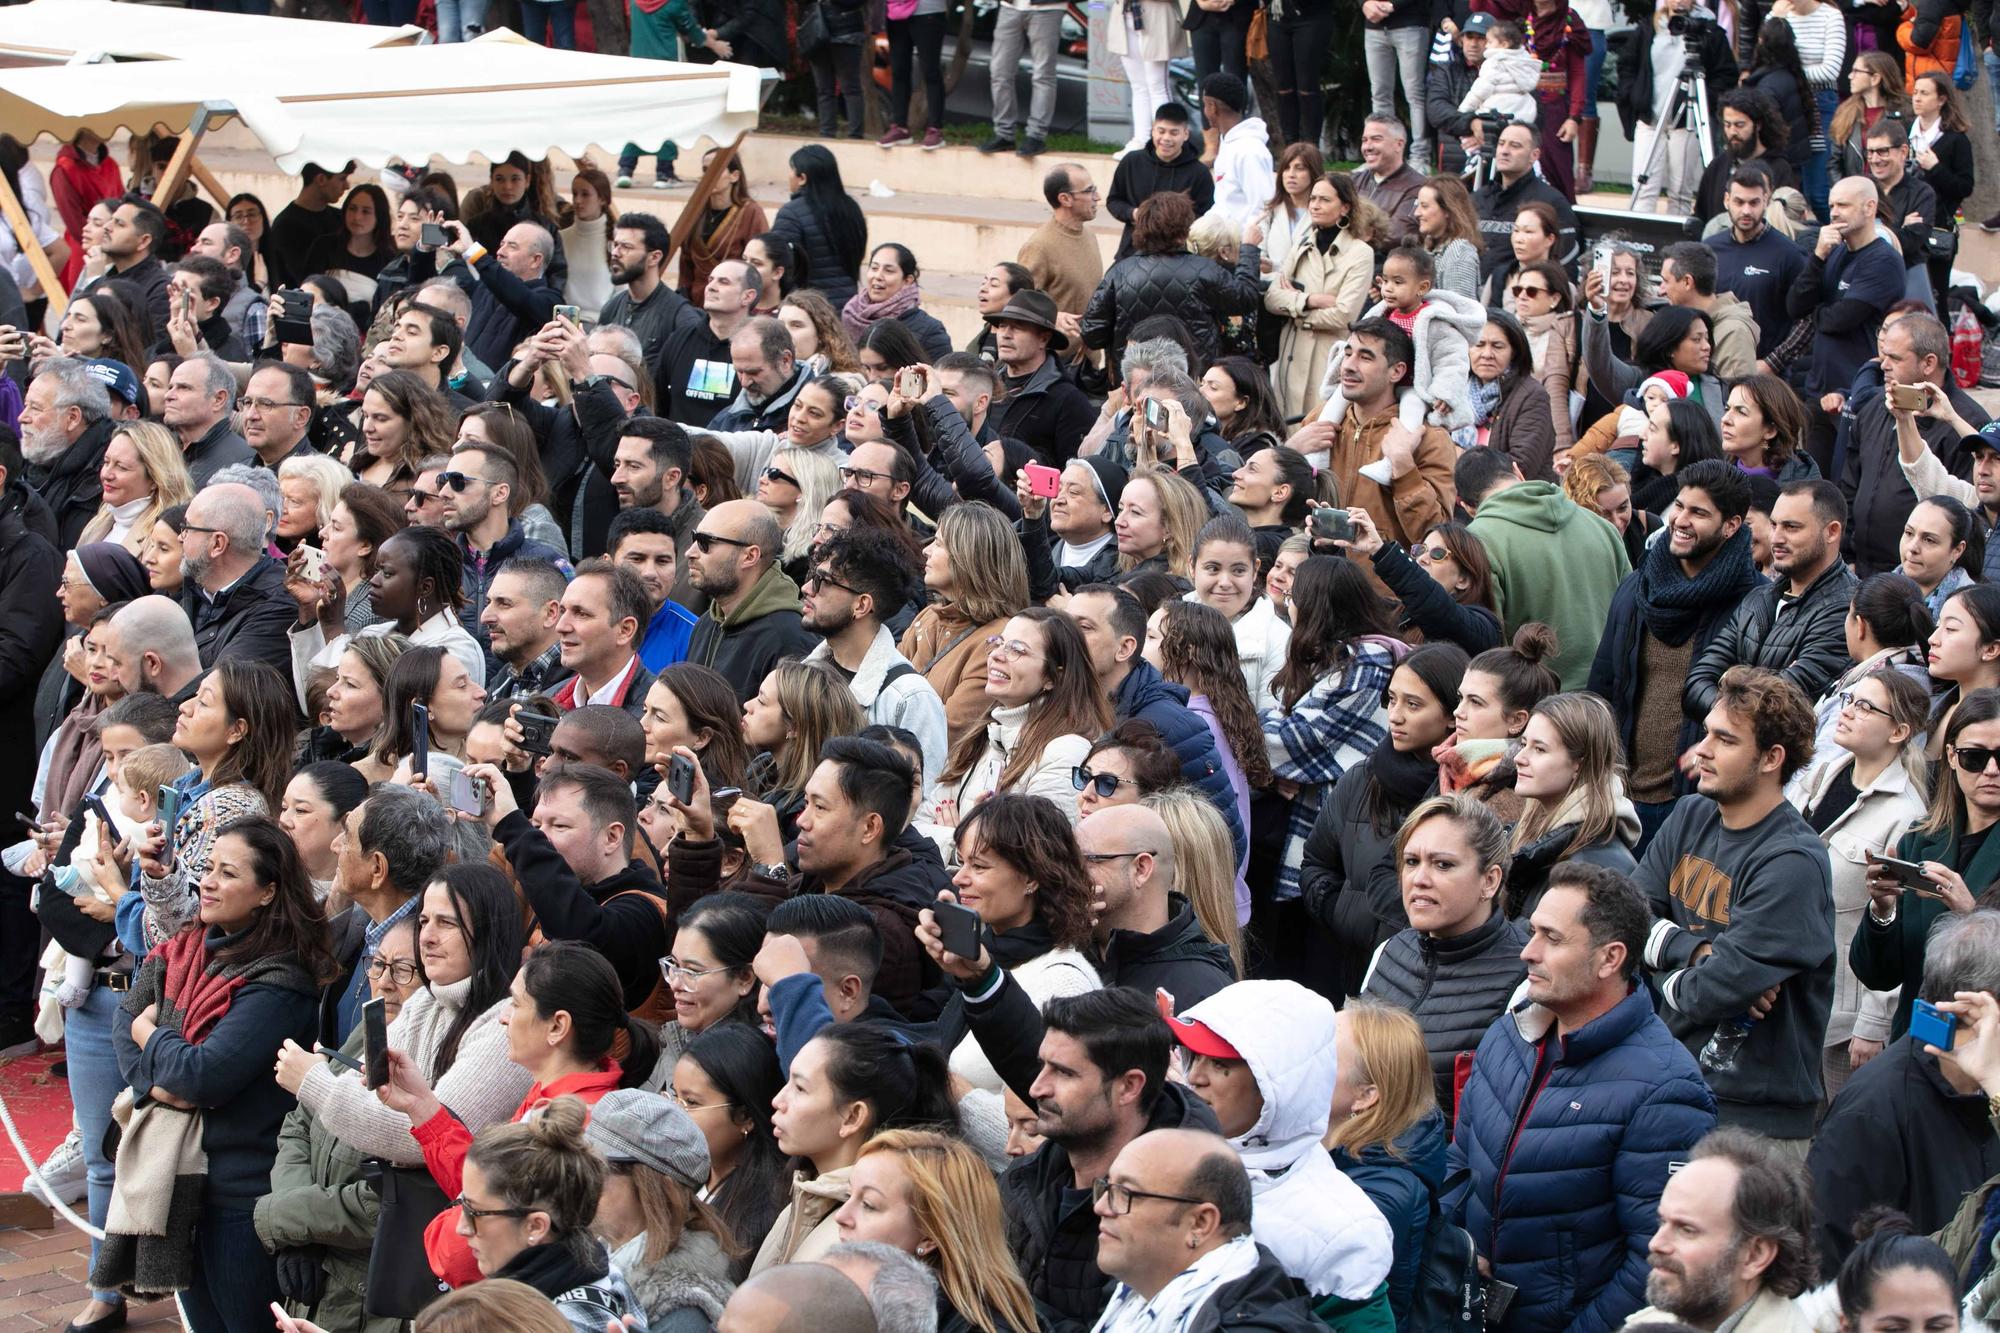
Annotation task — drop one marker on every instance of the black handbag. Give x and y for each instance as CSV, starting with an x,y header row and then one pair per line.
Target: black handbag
x,y
400,1281
1942,243
812,31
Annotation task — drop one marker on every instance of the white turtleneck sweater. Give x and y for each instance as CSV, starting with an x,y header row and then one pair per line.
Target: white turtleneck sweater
x,y
124,516
585,246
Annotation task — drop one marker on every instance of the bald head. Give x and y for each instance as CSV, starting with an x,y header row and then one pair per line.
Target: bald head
x,y
798,1298
449,297
151,645
748,521
526,250
1148,1246
1137,872
1852,202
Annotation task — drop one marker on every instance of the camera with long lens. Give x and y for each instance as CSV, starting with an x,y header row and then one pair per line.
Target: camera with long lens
x,y
1690,28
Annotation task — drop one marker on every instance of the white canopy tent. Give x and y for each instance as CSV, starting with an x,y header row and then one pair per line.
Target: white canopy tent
x,y
61,32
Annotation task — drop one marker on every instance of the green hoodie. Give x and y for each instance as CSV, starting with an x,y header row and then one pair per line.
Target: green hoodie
x,y
756,636
1553,562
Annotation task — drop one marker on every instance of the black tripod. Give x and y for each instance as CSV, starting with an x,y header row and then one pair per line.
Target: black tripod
x,y
1689,110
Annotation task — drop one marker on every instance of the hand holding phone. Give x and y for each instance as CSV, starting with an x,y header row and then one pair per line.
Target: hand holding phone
x,y
1331,525
469,795
1042,480
910,381
680,779
1930,1025
958,928
375,1042
431,236
536,729
420,741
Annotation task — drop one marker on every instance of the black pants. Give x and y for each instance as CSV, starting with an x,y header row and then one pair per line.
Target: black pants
x,y
836,70
20,952
1298,63
1218,42
921,36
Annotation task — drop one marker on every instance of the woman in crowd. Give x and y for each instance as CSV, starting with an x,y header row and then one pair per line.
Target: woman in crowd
x,y
1679,434
1275,482
1192,646
1777,72
1675,338
1160,516
1460,960
310,486
530,1189
1124,766
247,211
1875,90
1541,296
797,709
1500,686
779,266
916,49
1225,578
1386,1133
497,1303
1960,858
142,476
1567,772
1292,553
1206,871
1963,653
728,221
847,1084
403,420
500,425
94,578
1763,425
1628,305
1861,798
238,730
696,706
1818,33
1246,412
586,241
1043,705
99,324
356,254
1445,582
672,1248
709,972
1943,548
818,336
1160,276
1319,289
889,290
160,555
933,1197
1537,232
430,676
258,937
1941,144
1448,228
725,1081
416,591
1895,1278
978,578
357,704
1348,869
796,484
317,802
886,348
1288,217
1604,488
1511,410
1888,623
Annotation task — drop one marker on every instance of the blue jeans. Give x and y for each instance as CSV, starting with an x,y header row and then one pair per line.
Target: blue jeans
x,y
234,1280
1652,814
1593,69
550,22
94,1084
460,20
1818,174
1993,82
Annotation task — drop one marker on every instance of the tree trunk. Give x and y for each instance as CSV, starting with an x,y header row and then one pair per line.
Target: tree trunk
x,y
608,21
1984,200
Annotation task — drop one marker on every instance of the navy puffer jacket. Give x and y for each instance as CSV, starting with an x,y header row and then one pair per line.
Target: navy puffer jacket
x,y
1402,1185
1564,1208
1146,694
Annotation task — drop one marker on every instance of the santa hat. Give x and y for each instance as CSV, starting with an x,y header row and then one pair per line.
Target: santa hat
x,y
1675,383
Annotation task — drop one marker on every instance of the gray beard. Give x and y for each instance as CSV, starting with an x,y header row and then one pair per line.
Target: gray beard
x,y
43,447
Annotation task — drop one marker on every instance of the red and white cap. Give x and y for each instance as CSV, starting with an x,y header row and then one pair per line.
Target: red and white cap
x,y
1194,1034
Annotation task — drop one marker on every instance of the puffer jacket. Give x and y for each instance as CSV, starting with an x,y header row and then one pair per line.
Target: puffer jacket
x,y
1402,1185
1454,987
1528,873
1568,1140
1193,288
1047,775
1319,1224
1807,645
834,277
805,1230
1147,695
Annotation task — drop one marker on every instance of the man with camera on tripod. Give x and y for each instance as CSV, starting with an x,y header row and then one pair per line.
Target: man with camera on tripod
x,y
1671,89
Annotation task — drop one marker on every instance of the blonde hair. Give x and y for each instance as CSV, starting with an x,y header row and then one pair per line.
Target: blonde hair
x,y
670,1208
327,475
160,459
818,481
1584,724
151,767
1214,234
1390,1047
818,706
989,573
496,1302
1589,474
957,1203
1182,512
1204,864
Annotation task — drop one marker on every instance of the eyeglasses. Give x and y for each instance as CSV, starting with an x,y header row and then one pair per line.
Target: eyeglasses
x,y
1107,784
1121,1196
458,481
1974,758
1099,858
671,968
824,530
1521,289
472,1214
1849,699
402,972
854,400
819,578
707,540
860,476
264,404
1006,650
675,1098
191,527
779,474
1882,152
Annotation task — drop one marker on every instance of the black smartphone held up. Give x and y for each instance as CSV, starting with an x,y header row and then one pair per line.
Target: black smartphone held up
x,y
294,322
1332,525
1910,874
536,728
680,778
95,804
434,235
375,1042
420,741
958,927
1156,414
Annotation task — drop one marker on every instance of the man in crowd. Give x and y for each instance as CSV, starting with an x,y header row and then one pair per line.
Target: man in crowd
x,y
882,469
315,214
602,610
1663,614
1909,203
1561,1205
466,374
198,294
1512,184
523,604
247,308
1687,278
475,497
391,847
1910,1130
149,646
1753,130
695,377
1928,476
798,1298
277,411
1039,405
199,396
822,953
132,243
516,295
859,580
642,540
32,621
1244,180
65,425
1734,1243
1846,288
425,505
768,377
1753,260
1385,177
1741,947
1446,82
643,302
1167,162
232,592
649,471
1553,561
1796,623
1147,934
426,341
609,738
1062,253
1038,27
752,620
128,395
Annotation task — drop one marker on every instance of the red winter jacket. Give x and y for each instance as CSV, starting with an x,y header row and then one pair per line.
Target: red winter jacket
x,y
79,186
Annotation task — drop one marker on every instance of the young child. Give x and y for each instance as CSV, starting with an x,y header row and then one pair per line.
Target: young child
x,y
1659,387
1507,77
1442,325
133,804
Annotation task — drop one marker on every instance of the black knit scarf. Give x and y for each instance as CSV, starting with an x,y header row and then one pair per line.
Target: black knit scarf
x,y
1674,605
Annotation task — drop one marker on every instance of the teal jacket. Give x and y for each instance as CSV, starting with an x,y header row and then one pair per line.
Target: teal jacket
x,y
1555,562
1893,955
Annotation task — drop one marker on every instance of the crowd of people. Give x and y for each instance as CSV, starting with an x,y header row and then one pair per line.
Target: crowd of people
x,y
1376,764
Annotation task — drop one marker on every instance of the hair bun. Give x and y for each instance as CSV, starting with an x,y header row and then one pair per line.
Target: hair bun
x,y
1881,1220
1536,642
558,1123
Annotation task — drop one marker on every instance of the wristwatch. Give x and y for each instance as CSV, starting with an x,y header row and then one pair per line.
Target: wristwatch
x,y
776,872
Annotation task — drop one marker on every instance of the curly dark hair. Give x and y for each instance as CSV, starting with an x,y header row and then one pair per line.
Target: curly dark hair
x,y
1030,834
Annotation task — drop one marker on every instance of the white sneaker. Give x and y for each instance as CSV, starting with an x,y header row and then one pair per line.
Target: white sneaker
x,y
64,1171
623,182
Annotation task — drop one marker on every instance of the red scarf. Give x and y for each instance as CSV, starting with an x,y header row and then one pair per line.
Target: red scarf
x,y
195,997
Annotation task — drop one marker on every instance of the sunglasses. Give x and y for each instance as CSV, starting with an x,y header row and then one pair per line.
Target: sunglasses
x,y
778,474
1107,784
1519,289
1974,758
458,481
707,540
1432,553
854,400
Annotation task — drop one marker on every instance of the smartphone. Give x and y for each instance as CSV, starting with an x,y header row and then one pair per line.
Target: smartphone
x,y
433,234
571,313
341,1058
313,563
294,322
1910,874
910,382
95,804
680,778
536,728
959,927
1908,397
723,799
1499,1296
420,741
1332,525
1603,264
469,795
1931,1025
170,810
1042,481
375,1042
1156,414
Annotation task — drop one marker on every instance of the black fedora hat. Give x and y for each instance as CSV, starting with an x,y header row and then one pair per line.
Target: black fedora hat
x,y
1033,308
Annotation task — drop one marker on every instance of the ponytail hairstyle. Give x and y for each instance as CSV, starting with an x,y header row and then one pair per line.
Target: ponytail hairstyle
x,y
739,1061
489,916
1965,531
565,976
733,925
1892,606
1522,668
905,1085
1888,1244
1299,474
1441,668
544,1164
